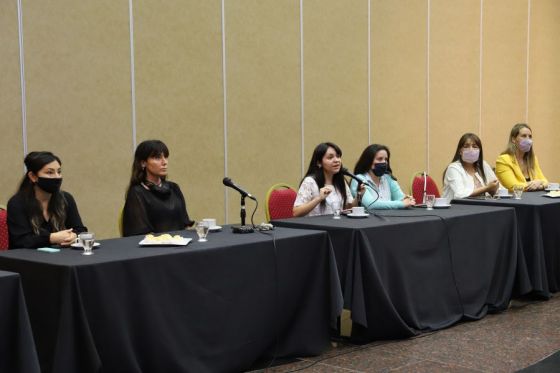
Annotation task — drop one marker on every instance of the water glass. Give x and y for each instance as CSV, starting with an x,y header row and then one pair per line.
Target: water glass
x,y
518,191
202,231
430,200
335,206
87,239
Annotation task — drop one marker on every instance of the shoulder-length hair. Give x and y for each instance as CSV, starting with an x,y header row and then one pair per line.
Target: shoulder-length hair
x,y
144,150
315,169
56,208
511,148
368,155
479,164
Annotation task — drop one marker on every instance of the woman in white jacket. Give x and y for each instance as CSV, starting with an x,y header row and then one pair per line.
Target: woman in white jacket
x,y
469,175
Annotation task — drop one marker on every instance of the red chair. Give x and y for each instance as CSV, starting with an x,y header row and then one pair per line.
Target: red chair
x,y
421,185
3,230
279,203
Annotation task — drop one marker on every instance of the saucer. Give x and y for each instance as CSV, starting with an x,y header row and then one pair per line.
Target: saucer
x,y
215,228
77,245
357,216
442,206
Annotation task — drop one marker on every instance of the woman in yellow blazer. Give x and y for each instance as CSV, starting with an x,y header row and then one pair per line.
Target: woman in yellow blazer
x,y
518,164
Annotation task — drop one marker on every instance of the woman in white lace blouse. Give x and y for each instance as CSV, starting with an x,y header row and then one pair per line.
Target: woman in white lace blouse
x,y
323,188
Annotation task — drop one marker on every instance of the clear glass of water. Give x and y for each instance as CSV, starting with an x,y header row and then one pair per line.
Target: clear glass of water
x,y
518,191
87,239
430,200
336,209
202,231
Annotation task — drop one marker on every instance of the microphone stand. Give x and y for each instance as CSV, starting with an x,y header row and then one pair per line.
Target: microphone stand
x,y
242,228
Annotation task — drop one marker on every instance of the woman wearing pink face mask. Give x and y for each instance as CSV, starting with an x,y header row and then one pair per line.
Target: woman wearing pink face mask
x,y
518,164
468,174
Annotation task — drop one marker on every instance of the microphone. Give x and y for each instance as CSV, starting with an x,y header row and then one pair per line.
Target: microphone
x,y
227,182
345,171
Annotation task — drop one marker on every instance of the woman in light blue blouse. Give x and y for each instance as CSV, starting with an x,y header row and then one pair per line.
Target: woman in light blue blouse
x,y
383,191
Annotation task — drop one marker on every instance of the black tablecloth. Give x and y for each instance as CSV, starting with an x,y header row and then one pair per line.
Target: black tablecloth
x,y
415,270
214,306
17,349
537,219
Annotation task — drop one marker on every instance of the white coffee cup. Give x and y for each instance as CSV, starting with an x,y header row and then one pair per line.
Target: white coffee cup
x,y
553,186
358,210
502,192
441,202
210,222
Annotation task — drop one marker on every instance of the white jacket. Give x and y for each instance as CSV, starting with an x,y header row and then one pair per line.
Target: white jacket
x,y
457,183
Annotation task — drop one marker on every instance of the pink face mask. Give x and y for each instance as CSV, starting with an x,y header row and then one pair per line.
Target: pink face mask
x,y
470,155
525,145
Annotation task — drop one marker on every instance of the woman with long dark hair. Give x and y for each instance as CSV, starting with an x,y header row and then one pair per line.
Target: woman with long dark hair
x,y
153,204
40,214
518,164
323,189
383,192
468,175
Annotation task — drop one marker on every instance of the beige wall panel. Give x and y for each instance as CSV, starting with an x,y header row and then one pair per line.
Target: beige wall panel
x,y
399,83
335,76
544,84
504,72
179,95
263,97
454,78
10,102
78,99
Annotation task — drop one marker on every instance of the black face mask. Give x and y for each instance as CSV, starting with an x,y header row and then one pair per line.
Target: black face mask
x,y
163,190
49,185
379,169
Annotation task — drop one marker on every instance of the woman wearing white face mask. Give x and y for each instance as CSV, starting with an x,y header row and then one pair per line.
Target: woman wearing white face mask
x,y
518,164
469,175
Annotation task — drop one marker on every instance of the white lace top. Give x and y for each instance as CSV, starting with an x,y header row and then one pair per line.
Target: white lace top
x,y
310,190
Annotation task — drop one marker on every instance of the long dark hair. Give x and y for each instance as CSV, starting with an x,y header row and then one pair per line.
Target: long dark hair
x,y
34,162
528,157
145,150
368,155
479,165
315,169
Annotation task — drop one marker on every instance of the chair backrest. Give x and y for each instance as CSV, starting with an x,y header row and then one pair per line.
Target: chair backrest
x,y
423,182
4,243
279,203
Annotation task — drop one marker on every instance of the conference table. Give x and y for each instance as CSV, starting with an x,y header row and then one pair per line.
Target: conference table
x,y
537,221
17,350
408,271
216,306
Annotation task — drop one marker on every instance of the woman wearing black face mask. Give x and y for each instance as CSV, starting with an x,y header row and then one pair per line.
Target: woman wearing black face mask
x,y
375,168
40,214
153,204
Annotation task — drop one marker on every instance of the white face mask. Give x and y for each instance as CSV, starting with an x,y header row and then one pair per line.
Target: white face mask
x,y
470,155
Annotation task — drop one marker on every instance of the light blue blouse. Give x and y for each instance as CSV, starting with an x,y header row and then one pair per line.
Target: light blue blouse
x,y
370,199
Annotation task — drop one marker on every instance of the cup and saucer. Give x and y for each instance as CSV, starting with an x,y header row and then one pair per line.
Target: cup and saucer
x,y
441,203
502,193
211,223
358,213
552,187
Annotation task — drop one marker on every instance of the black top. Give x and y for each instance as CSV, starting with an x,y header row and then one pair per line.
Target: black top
x,y
19,223
146,211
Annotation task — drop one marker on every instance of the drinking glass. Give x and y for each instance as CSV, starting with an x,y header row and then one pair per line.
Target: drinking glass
x,y
87,239
518,191
202,231
335,206
430,200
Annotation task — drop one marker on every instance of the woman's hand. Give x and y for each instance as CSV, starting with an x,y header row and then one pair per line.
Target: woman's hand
x,y
534,185
324,192
492,187
408,201
63,238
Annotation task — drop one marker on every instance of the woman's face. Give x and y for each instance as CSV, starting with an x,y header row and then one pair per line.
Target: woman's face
x,y
524,133
331,162
380,157
469,144
156,167
50,170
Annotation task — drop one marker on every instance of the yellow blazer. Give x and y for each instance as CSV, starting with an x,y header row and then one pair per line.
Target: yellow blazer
x,y
509,173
